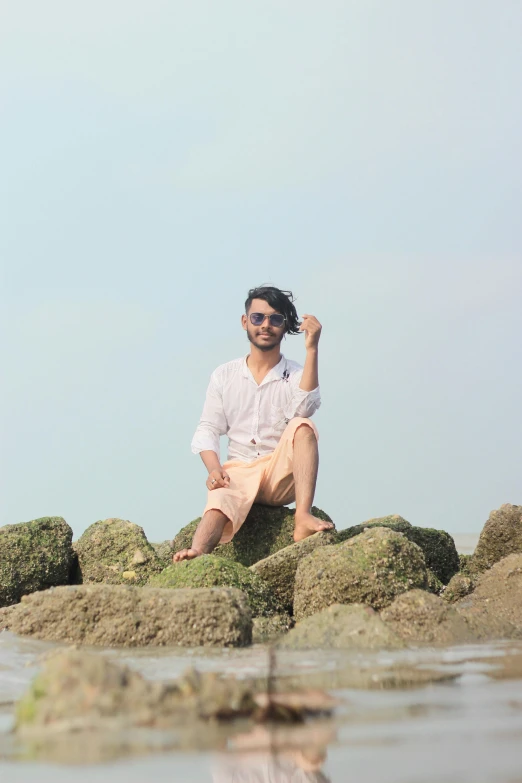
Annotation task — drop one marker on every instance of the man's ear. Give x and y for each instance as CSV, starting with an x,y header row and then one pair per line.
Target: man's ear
x,y
244,321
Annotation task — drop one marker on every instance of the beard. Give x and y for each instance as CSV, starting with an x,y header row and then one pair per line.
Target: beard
x,y
261,344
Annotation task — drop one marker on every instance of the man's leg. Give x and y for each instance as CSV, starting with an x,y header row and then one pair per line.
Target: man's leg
x,y
207,536
305,468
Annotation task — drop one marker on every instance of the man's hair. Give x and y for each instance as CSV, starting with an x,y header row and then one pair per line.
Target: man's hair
x,y
282,301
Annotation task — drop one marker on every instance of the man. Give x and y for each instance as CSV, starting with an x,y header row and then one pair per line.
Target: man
x,y
263,403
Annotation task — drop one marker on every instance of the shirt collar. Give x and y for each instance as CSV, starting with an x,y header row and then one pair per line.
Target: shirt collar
x,y
279,370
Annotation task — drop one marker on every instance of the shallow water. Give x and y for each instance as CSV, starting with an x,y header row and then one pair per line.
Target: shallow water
x,y
465,727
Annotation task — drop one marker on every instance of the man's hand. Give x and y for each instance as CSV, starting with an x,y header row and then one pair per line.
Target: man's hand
x,y
217,479
312,329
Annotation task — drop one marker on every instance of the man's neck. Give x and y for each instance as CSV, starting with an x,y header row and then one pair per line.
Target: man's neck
x,y
261,362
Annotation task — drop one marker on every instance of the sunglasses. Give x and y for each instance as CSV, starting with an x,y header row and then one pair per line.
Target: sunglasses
x,y
275,319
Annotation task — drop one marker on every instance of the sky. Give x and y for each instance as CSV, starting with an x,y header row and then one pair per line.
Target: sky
x,y
159,158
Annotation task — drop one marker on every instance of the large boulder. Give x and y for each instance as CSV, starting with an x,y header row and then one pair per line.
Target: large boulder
x,y
501,536
494,609
438,546
212,571
419,617
279,569
120,616
266,530
351,627
34,556
116,551
371,568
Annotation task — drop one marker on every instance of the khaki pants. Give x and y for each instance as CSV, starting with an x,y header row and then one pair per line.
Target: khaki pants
x,y
268,480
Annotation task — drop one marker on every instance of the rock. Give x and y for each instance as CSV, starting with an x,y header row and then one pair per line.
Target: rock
x,y
423,618
458,586
279,569
434,584
342,627
371,568
266,530
212,571
266,629
501,536
466,565
34,556
121,616
116,551
81,691
438,546
164,552
494,608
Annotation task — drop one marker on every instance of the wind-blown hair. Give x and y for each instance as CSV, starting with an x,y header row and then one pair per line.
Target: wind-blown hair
x,y
281,301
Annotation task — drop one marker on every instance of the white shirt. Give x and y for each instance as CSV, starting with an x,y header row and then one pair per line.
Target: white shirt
x,y
253,416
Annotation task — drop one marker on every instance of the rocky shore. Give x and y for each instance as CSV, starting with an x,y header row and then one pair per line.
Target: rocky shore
x,y
382,584
387,580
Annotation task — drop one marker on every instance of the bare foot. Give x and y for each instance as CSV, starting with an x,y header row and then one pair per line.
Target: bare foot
x,y
306,525
185,554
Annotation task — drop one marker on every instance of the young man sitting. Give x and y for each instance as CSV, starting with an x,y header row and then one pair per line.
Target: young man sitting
x,y
263,402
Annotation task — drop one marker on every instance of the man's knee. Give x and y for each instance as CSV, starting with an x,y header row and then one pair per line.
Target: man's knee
x,y
302,428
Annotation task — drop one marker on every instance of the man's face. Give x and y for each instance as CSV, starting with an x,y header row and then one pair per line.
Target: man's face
x,y
265,337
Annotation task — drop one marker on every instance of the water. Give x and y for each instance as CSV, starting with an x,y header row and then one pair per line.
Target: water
x,y
465,727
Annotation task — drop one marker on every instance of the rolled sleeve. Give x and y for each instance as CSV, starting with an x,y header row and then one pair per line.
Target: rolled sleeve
x,y
212,423
302,403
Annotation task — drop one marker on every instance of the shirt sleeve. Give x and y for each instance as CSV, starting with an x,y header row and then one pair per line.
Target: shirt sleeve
x,y
302,403
213,422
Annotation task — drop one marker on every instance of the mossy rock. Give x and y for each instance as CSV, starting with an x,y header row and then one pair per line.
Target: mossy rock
x,y
266,530
116,551
105,615
34,556
279,570
419,617
438,546
353,627
494,609
434,585
501,536
164,551
213,571
458,587
371,568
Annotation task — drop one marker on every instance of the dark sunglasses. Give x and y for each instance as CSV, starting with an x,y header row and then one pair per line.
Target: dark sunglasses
x,y
275,319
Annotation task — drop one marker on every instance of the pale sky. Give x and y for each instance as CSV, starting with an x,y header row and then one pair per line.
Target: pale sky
x,y
159,158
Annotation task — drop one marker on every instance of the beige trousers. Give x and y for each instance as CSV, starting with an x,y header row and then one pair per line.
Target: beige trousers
x,y
268,480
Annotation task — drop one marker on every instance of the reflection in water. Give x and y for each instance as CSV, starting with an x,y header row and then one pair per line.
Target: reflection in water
x,y
275,756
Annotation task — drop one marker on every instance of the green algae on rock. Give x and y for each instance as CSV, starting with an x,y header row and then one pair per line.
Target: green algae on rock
x,y
34,556
213,571
420,617
438,546
458,586
164,551
501,536
494,609
371,568
279,569
116,551
121,616
352,627
266,530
